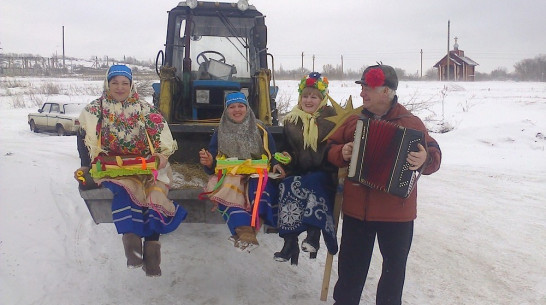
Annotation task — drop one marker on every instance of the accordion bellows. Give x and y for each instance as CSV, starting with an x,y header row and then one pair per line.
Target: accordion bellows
x,y
379,156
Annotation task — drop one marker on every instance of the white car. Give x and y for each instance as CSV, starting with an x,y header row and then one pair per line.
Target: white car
x,y
61,118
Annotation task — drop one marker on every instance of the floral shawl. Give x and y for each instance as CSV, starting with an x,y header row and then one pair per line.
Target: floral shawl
x,y
122,127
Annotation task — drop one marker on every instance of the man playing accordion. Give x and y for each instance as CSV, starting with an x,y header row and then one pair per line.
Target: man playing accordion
x,y
370,212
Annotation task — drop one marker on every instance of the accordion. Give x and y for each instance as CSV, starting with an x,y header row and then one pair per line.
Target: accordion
x,y
379,156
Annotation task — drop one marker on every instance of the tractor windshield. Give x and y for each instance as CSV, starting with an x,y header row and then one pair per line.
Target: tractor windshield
x,y
219,47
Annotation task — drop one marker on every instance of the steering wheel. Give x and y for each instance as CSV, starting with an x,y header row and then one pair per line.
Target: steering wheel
x,y
206,59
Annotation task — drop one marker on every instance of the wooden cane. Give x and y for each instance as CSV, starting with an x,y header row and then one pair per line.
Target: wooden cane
x,y
341,174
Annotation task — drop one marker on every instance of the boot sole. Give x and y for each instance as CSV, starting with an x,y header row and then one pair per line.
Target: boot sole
x,y
305,247
149,274
135,266
281,259
245,247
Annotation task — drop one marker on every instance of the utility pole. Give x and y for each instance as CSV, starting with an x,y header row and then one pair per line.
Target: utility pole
x,y
447,72
421,63
313,63
64,66
301,62
341,67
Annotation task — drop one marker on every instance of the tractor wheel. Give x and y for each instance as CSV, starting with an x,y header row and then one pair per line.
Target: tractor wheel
x,y
33,126
61,131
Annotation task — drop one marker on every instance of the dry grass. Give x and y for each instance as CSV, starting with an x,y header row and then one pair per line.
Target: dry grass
x,y
49,89
283,104
188,176
23,94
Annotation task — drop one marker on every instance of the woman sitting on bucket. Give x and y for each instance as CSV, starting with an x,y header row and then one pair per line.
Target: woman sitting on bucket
x,y
121,124
233,185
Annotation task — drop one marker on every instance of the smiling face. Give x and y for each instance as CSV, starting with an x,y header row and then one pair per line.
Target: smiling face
x,y
120,88
237,112
310,100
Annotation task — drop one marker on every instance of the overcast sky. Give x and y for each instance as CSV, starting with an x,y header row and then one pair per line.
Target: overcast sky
x,y
494,33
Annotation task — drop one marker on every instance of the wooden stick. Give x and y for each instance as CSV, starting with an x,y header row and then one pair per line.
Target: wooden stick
x,y
341,174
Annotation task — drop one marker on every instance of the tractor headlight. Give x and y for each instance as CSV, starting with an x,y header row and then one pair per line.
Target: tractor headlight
x,y
202,96
192,3
242,5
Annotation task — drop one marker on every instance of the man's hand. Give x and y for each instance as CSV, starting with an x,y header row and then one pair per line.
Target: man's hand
x,y
347,151
416,159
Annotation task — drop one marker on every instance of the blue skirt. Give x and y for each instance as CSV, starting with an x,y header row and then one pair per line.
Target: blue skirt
x,y
132,218
305,201
268,209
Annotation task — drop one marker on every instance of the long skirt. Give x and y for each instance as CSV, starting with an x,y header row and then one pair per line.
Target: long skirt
x,y
306,201
132,218
268,209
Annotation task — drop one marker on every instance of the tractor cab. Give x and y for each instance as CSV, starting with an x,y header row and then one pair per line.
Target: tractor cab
x,y
212,49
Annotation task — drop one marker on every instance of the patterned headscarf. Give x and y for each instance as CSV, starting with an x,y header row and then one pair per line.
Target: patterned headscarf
x,y
240,140
119,70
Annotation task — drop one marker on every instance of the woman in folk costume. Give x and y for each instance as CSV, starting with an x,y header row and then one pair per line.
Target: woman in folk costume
x,y
120,123
240,136
306,196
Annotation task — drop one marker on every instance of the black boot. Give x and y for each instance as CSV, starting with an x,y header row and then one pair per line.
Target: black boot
x,y
290,250
311,243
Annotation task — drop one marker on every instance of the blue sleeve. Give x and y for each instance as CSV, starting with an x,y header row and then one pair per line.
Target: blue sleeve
x,y
213,150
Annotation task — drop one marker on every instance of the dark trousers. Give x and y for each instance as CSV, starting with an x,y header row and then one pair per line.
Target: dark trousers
x,y
355,254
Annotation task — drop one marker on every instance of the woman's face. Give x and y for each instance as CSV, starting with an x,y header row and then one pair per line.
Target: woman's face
x,y
120,88
237,112
310,102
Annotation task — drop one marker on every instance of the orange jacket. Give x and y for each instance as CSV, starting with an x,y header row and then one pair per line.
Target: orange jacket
x,y
368,204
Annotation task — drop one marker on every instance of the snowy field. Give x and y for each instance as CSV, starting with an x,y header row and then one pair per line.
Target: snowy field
x,y
479,236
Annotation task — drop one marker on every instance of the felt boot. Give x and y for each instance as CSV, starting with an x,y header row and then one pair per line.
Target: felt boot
x,y
290,250
152,258
132,244
246,240
311,243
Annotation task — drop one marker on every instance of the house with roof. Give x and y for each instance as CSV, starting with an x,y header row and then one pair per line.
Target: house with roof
x,y
458,67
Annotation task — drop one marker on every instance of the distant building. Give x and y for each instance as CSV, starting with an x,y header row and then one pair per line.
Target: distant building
x,y
461,68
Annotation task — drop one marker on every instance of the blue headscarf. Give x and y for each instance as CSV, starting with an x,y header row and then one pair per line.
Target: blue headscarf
x,y
236,97
122,70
